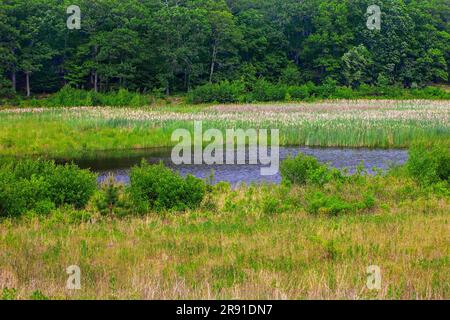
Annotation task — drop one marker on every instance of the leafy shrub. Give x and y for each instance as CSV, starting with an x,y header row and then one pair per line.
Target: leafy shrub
x,y
334,205
44,207
38,295
305,169
41,185
299,92
161,188
327,89
429,162
270,205
262,90
19,195
111,198
70,185
71,97
222,92
9,294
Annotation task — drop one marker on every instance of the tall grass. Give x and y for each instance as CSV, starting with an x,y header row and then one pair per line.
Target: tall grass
x,y
241,247
77,131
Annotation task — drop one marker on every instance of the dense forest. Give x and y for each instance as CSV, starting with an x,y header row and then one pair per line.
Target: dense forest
x,y
172,46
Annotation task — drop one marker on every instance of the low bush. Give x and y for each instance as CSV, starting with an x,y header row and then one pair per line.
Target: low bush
x,y
262,90
304,169
42,185
71,97
429,162
319,203
223,92
111,199
163,189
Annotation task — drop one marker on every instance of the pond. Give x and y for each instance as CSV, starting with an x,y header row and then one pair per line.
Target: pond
x,y
110,163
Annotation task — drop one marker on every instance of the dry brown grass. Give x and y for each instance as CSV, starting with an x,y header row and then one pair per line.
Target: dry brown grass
x,y
240,253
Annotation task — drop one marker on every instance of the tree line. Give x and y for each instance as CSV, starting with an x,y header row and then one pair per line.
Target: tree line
x,y
172,46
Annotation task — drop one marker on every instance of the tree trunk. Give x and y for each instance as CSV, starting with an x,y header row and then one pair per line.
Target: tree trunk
x,y
95,81
28,83
14,81
213,62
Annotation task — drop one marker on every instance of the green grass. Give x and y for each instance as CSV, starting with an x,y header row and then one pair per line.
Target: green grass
x,y
76,132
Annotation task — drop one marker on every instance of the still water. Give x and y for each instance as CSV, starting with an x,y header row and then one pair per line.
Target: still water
x,y
108,163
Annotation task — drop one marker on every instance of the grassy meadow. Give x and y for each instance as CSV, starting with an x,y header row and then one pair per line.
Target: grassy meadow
x,y
308,240
74,132
257,242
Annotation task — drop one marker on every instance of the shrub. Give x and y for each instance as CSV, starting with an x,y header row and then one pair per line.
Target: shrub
x,y
299,92
327,89
19,195
71,97
262,90
161,188
223,92
44,207
41,185
305,169
429,163
70,185
108,198
334,205
270,205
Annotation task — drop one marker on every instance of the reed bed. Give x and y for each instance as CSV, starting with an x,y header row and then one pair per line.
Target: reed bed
x,y
70,131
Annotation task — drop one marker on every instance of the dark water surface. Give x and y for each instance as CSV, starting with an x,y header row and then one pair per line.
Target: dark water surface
x,y
109,163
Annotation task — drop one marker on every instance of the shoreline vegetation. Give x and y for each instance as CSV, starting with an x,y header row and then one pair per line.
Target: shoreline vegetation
x,y
78,131
168,237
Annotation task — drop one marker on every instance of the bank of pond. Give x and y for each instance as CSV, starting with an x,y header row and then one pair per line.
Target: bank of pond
x,y
139,184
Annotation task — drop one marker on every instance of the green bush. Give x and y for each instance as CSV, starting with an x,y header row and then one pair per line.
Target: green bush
x,y
223,92
262,90
304,169
20,195
299,92
41,185
111,198
429,163
71,97
162,189
334,205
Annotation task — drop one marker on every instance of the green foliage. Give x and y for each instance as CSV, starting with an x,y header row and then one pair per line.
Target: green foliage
x,y
217,92
71,97
41,186
319,203
9,294
429,163
111,199
163,189
290,75
263,91
134,46
304,169
70,185
357,64
38,295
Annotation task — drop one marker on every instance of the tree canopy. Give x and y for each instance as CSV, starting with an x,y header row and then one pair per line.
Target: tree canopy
x,y
175,45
